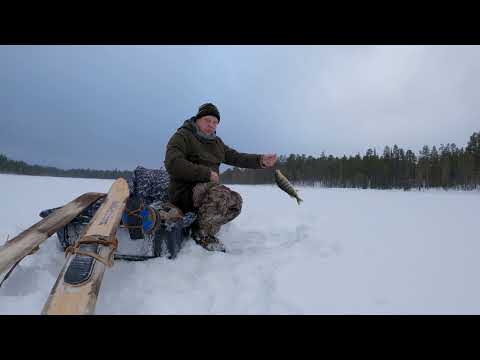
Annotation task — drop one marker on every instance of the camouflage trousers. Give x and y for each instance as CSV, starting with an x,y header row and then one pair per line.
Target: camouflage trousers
x,y
216,205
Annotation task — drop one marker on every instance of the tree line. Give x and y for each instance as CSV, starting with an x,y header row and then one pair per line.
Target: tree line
x,y
444,167
8,166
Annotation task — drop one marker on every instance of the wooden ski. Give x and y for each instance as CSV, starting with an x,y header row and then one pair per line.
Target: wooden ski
x,y
76,289
27,242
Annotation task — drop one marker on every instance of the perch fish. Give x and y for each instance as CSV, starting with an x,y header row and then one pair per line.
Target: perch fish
x,y
285,185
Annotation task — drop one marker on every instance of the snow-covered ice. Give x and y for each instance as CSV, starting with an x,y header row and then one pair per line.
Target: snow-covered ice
x,y
342,251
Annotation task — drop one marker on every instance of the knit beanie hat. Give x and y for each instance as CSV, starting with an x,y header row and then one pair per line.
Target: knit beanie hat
x,y
208,109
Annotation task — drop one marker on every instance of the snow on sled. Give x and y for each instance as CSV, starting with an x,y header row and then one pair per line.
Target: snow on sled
x,y
150,226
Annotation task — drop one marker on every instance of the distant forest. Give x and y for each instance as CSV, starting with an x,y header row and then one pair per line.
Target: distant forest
x,y
444,167
9,166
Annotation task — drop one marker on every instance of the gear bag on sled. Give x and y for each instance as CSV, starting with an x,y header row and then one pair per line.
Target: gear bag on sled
x,y
150,227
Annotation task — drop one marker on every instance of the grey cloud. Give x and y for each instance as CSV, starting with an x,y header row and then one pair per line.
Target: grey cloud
x,y
116,106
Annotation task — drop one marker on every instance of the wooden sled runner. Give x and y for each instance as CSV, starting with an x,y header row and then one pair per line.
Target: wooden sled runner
x,y
76,289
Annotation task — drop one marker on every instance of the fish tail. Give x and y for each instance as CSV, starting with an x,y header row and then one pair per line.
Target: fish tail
x,y
299,200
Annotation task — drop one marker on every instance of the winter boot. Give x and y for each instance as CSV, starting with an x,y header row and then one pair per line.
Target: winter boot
x,y
208,242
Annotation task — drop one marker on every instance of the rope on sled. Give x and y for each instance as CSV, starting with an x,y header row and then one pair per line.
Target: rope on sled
x,y
134,213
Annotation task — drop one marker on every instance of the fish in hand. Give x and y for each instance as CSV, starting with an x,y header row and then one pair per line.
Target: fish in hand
x,y
285,185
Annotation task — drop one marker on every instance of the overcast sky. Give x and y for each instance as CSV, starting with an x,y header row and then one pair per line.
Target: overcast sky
x,y
108,107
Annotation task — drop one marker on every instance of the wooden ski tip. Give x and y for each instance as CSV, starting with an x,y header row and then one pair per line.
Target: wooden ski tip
x,y
76,293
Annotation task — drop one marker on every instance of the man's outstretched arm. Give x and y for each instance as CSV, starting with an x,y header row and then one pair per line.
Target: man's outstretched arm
x,y
249,161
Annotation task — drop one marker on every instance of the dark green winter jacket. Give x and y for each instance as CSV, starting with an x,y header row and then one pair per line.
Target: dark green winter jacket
x,y
190,158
